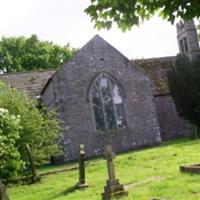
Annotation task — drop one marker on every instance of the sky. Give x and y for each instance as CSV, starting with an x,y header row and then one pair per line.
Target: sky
x,y
64,21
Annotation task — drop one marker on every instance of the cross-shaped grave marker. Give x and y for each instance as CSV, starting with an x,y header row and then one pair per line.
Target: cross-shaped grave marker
x,y
113,188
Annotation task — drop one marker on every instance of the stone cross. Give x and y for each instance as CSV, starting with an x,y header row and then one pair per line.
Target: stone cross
x,y
3,193
82,183
113,188
35,178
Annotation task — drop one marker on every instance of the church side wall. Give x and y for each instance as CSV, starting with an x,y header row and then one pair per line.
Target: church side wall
x,y
171,125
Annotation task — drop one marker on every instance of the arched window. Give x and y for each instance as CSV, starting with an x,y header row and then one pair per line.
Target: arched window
x,y
107,103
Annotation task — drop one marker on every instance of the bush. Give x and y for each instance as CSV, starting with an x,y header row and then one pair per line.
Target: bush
x,y
39,128
10,161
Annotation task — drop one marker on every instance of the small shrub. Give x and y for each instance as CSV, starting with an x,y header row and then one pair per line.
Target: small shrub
x,y
10,160
38,128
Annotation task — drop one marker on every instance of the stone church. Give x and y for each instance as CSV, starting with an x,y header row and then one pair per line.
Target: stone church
x,y
104,98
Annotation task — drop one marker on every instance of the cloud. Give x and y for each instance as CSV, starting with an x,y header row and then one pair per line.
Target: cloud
x,y
13,11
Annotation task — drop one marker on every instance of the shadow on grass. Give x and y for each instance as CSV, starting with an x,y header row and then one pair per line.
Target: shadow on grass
x,y
64,193
69,190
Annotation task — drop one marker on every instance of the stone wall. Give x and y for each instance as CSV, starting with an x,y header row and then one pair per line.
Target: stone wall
x,y
69,86
171,124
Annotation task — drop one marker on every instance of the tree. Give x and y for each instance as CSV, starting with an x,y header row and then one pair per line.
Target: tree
x,y
39,128
198,30
24,54
10,160
127,13
184,83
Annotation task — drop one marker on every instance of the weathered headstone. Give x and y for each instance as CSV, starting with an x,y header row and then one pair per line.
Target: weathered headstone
x,y
194,168
3,193
113,188
82,183
34,178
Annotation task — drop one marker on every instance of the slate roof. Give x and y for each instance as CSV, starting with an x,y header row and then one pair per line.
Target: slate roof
x,y
156,69
32,83
29,82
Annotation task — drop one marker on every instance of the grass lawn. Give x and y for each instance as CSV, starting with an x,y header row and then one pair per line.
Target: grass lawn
x,y
155,172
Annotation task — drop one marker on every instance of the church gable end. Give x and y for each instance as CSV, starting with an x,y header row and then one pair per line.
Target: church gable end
x,y
126,122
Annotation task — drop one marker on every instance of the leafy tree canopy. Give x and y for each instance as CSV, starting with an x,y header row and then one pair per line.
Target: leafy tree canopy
x,y
24,54
38,128
127,13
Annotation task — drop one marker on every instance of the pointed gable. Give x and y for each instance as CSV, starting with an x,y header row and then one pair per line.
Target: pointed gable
x,y
85,105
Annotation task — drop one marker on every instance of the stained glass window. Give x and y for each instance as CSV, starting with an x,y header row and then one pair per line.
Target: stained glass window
x,y
107,103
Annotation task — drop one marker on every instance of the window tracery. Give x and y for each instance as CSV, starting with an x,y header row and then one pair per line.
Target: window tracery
x,y
107,103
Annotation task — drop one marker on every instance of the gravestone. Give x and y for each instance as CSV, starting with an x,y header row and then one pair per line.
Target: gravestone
x,y
34,178
3,193
82,183
194,168
113,188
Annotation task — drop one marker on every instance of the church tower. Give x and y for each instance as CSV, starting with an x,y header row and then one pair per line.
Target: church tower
x,y
188,39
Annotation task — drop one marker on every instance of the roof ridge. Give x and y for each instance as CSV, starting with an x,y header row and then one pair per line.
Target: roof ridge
x,y
27,72
155,58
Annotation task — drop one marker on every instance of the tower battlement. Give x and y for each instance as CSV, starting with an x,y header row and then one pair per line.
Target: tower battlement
x,y
187,39
185,26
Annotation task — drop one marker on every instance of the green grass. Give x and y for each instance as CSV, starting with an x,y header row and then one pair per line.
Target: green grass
x,y
132,167
50,168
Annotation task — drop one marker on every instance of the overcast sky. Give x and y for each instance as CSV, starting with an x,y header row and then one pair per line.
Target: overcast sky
x,y
63,21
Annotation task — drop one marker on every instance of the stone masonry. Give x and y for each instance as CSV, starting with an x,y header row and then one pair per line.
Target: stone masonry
x,y
68,91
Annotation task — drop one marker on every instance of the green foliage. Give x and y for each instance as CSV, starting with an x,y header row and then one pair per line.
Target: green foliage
x,y
127,13
198,30
10,161
184,83
39,128
24,54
